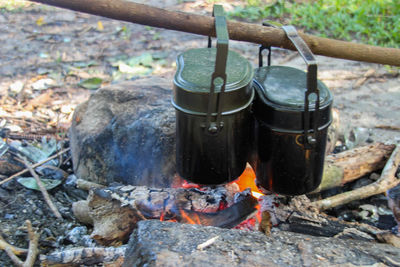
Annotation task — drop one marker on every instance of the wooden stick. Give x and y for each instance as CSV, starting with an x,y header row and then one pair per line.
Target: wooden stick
x,y
43,190
34,166
32,251
15,250
33,245
207,243
384,183
204,25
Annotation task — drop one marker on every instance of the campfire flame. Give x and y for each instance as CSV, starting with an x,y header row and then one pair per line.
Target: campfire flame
x,y
190,219
245,181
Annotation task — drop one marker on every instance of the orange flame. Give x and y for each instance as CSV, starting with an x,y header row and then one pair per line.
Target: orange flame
x,y
194,220
247,180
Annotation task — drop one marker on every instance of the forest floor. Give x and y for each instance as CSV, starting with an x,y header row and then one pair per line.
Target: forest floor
x,y
53,59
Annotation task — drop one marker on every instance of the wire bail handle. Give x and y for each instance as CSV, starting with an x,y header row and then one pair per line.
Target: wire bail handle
x,y
312,87
218,78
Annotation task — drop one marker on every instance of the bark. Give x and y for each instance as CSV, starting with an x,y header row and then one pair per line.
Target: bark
x,y
350,165
204,25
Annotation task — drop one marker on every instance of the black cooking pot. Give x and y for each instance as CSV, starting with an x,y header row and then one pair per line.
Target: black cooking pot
x,y
293,111
212,96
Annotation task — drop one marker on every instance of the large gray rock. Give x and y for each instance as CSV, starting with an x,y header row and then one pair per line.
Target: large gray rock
x,y
156,243
126,133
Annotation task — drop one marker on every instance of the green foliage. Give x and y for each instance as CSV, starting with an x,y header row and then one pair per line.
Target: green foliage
x,y
369,21
13,5
91,83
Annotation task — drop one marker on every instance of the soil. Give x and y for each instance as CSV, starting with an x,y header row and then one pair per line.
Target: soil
x,y
40,42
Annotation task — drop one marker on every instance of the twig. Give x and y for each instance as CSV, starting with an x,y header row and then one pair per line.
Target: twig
x,y
34,166
33,245
384,183
208,243
43,190
15,250
32,251
87,185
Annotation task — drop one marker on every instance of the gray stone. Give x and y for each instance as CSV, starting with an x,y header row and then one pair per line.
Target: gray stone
x,y
126,133
156,243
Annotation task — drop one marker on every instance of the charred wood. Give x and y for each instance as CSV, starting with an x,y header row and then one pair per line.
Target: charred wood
x,y
116,210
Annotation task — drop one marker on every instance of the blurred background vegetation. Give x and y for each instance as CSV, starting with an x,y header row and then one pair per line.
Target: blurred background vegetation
x,y
373,22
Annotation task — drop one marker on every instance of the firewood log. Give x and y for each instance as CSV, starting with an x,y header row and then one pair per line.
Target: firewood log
x,y
352,164
116,210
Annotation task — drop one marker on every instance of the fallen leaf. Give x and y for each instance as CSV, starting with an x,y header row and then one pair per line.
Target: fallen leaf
x,y
137,70
43,84
40,21
30,183
91,83
145,59
100,26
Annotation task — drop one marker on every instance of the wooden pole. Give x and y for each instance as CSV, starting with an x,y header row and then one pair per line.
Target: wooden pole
x,y
204,25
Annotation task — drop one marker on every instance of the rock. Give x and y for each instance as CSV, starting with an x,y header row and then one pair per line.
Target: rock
x,y
126,133
76,234
156,243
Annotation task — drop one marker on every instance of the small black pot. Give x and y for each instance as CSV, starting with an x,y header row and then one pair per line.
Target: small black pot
x,y
284,161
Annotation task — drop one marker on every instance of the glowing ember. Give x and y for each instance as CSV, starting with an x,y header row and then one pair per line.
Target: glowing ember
x,y
245,181
186,185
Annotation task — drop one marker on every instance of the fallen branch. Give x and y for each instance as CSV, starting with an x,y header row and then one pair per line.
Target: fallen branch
x,y
352,164
43,190
204,25
85,257
32,250
34,166
385,182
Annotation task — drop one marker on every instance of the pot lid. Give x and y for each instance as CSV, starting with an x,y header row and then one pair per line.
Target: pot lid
x,y
286,87
193,79
196,66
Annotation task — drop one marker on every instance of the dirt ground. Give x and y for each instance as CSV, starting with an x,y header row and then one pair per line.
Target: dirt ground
x,y
47,54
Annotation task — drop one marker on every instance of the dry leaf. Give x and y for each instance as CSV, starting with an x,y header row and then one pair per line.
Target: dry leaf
x,y
40,21
100,26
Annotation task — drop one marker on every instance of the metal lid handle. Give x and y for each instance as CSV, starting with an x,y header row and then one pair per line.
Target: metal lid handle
x,y
218,78
312,86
